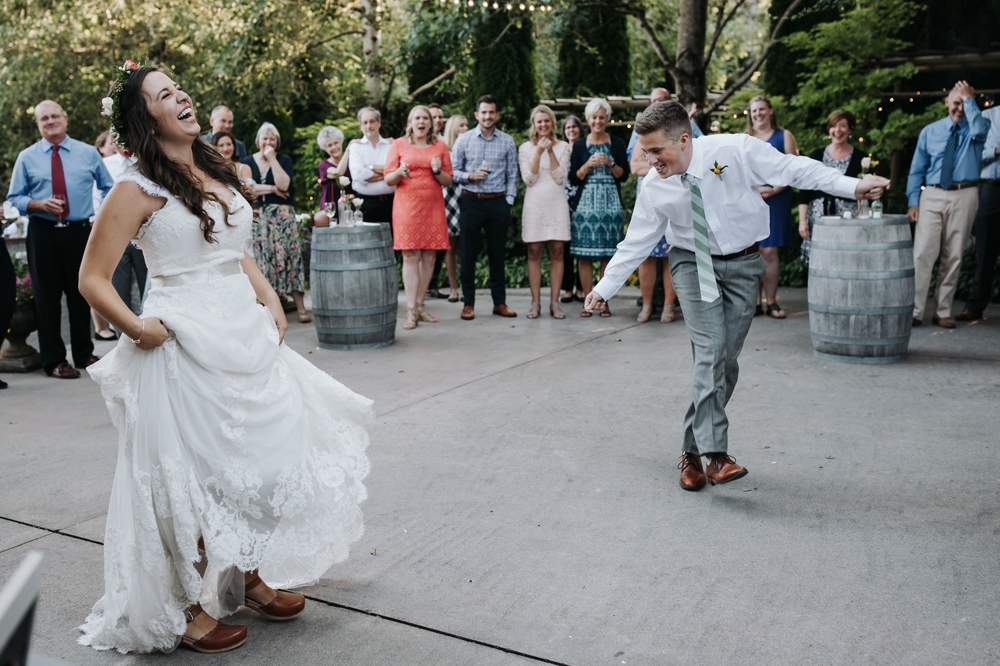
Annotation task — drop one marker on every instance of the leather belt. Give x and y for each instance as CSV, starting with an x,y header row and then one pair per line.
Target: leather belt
x,y
736,255
490,195
374,197
32,219
197,276
957,186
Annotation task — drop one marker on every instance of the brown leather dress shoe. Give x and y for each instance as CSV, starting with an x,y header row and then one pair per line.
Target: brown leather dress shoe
x,y
503,311
285,606
89,362
943,322
692,473
222,638
468,313
969,315
64,371
722,468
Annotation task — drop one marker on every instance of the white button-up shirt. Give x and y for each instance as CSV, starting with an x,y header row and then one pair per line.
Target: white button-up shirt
x,y
737,216
361,155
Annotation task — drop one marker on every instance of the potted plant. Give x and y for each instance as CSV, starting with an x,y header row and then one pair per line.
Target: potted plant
x,y
18,355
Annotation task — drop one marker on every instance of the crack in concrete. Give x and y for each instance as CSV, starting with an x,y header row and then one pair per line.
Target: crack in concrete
x,y
326,602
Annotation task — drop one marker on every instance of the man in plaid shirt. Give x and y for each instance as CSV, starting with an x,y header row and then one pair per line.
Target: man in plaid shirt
x,y
484,161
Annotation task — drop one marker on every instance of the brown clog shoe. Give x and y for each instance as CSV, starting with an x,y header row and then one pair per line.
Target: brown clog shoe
x,y
692,473
222,638
722,468
284,606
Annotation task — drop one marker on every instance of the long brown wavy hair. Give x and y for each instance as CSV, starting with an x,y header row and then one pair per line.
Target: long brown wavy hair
x,y
138,126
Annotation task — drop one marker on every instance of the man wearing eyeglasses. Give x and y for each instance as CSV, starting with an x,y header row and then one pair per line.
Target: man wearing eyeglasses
x,y
52,183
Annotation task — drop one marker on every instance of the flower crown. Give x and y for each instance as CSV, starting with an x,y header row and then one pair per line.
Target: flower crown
x,y
110,105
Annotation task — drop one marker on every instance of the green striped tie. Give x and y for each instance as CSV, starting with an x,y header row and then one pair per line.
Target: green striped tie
x,y
702,250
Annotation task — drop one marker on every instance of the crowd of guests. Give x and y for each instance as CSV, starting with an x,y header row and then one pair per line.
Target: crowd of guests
x,y
445,187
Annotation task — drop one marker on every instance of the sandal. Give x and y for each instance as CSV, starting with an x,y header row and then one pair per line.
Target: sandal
x,y
424,315
774,311
534,310
556,311
668,314
644,314
221,638
584,313
759,311
411,320
606,311
304,318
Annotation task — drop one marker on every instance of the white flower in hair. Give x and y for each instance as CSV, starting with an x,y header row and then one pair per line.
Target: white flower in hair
x,y
344,181
107,105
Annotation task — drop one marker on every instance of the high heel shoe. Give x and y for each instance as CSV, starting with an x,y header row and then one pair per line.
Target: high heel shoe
x,y
222,638
284,606
556,311
668,314
644,314
534,310
411,320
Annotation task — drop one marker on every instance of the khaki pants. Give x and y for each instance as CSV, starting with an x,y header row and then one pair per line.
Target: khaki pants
x,y
943,229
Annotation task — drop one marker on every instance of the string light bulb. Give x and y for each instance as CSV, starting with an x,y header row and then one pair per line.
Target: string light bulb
x,y
892,99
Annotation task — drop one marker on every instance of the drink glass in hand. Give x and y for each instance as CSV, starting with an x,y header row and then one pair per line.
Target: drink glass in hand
x,y
485,167
61,198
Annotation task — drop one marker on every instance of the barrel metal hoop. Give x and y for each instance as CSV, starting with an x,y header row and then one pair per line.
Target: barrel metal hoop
x,y
382,309
354,246
357,347
356,331
833,309
366,228
862,360
862,275
858,222
859,247
879,342
364,266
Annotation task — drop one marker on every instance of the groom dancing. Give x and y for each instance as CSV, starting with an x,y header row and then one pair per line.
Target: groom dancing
x,y
703,194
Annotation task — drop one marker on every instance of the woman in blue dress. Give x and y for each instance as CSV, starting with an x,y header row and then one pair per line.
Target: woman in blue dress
x,y
762,123
598,166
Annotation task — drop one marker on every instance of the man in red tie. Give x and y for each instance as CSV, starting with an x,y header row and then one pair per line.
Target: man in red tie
x,y
52,183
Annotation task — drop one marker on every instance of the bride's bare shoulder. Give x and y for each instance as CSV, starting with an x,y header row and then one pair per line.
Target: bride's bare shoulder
x,y
132,199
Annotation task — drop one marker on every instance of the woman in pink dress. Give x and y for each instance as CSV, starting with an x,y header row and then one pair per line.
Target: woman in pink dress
x,y
545,217
418,165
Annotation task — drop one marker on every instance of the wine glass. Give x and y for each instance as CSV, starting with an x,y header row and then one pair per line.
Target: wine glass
x,y
65,204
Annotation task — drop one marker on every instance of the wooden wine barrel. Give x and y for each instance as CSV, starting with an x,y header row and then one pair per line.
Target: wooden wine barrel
x,y
861,289
355,290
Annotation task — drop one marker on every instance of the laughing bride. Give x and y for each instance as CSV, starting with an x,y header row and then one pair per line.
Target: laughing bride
x,y
240,465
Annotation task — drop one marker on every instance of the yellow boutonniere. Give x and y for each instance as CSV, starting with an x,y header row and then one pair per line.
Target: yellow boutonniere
x,y
717,169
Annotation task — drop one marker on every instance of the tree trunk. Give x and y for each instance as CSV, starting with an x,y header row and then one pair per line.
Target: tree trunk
x,y
689,78
371,45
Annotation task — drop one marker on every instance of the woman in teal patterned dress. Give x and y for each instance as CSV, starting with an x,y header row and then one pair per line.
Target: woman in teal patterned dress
x,y
598,166
276,248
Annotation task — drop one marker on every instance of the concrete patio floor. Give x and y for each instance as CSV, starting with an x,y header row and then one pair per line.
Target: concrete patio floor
x,y
524,505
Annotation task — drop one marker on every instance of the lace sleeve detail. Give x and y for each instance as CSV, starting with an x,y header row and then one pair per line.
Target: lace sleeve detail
x,y
132,174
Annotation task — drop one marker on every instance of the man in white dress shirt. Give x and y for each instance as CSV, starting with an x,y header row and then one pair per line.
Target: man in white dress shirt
x,y
705,190
366,160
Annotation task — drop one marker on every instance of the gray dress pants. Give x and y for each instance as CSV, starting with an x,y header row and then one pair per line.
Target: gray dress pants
x,y
717,331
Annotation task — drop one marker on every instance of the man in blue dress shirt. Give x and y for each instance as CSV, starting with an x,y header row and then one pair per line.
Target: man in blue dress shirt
x,y
221,120
946,167
987,224
53,183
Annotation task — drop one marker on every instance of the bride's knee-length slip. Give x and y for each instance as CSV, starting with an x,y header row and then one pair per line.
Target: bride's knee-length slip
x,y
223,434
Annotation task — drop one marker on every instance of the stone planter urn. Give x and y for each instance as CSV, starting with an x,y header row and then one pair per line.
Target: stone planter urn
x,y
17,355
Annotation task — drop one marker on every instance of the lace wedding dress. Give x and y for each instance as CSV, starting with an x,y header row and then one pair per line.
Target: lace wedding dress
x,y
223,434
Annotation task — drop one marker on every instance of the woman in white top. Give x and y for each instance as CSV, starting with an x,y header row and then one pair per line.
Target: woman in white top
x,y
545,217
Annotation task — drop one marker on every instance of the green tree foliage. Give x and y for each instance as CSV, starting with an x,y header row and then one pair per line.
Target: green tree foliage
x,y
288,62
783,68
504,66
594,54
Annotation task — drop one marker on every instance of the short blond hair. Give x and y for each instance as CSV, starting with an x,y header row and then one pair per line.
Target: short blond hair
x,y
265,129
595,104
541,108
451,129
431,136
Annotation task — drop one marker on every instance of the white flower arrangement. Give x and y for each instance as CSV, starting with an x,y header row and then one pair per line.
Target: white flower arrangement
x,y
344,181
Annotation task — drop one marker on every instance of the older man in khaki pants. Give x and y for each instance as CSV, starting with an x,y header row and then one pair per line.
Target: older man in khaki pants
x,y
946,167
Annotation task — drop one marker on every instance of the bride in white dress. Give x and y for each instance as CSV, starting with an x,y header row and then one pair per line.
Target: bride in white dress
x,y
235,454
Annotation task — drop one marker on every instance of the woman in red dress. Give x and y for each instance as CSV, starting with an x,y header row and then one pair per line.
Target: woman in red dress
x,y
418,165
